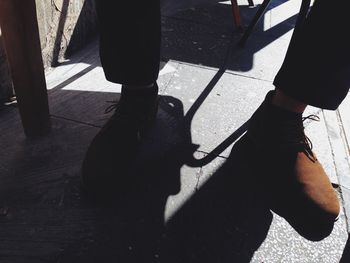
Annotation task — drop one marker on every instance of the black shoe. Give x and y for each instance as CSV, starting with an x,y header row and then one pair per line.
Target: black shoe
x,y
111,153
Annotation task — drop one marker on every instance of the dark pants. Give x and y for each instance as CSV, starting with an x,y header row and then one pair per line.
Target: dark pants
x,y
316,69
129,40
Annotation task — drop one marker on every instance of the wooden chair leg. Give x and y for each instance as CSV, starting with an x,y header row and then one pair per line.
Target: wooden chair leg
x,y
253,23
304,8
250,2
18,22
236,14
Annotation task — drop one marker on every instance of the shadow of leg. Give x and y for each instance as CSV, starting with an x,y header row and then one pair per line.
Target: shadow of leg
x,y
223,222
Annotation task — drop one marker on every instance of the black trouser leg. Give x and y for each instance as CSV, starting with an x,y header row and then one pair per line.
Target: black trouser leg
x,y
316,69
129,40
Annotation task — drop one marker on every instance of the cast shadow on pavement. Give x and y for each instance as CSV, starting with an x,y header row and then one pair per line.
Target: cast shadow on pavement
x,y
223,221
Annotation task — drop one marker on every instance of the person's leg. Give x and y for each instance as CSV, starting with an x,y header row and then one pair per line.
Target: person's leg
x,y
129,40
129,53
316,71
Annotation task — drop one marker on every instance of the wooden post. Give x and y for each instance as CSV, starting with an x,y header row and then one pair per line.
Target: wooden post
x,y
19,27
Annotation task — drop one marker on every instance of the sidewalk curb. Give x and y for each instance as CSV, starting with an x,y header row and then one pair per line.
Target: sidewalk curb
x,y
338,142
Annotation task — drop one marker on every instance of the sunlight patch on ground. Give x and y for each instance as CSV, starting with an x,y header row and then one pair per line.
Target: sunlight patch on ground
x,y
85,77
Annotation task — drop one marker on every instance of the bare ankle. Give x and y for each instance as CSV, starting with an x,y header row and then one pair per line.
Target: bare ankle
x,y
283,101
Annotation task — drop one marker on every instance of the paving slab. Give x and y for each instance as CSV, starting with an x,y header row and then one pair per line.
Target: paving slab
x,y
229,101
283,244
194,43
189,181
340,152
261,58
226,220
216,14
344,118
283,15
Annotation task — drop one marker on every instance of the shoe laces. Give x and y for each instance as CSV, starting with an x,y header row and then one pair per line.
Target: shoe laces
x,y
119,112
113,106
122,110
299,140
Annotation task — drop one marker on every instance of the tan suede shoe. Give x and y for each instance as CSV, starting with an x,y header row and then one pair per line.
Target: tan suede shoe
x,y
291,177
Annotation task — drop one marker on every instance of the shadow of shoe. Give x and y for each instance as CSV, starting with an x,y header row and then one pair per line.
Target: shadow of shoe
x,y
132,226
286,197
224,221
